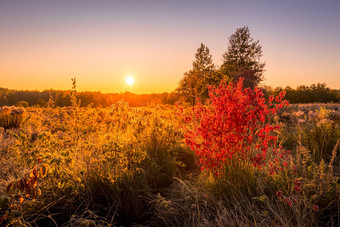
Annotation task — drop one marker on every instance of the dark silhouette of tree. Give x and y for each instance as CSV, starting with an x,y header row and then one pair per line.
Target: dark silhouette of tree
x,y
63,98
315,93
242,58
42,103
322,93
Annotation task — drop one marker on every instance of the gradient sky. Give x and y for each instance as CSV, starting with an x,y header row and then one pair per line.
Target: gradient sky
x,y
43,44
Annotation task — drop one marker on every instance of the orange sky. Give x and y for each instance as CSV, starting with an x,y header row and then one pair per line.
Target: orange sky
x,y
44,44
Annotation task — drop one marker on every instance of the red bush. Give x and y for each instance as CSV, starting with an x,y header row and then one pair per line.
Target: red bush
x,y
234,126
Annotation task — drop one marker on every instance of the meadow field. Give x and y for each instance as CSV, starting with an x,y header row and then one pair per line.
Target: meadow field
x,y
181,113
135,166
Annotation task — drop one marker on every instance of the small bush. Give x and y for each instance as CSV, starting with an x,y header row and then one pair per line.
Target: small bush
x,y
11,117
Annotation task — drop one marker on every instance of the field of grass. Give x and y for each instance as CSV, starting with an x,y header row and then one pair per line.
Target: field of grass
x,y
124,166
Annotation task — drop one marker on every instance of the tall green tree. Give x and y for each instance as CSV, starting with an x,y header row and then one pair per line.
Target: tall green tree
x,y
194,83
243,58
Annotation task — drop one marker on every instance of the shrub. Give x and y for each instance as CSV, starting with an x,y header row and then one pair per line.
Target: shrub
x,y
22,104
11,117
234,128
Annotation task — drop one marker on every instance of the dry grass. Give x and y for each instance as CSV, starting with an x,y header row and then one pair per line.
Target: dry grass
x,y
130,166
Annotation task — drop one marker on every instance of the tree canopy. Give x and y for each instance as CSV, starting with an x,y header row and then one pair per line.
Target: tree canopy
x,y
243,58
194,83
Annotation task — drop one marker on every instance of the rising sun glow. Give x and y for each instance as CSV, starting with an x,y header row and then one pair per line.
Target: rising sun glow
x,y
130,80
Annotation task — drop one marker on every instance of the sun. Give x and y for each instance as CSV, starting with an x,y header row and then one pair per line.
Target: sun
x,y
130,80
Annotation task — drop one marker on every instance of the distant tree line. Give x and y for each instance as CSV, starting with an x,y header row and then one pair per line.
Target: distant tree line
x,y
96,99
302,94
307,94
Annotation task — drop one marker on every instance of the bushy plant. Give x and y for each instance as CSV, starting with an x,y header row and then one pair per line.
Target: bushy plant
x,y
11,117
234,128
235,137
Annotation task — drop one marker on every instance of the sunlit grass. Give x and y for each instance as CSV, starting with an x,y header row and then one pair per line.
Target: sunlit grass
x,y
124,165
